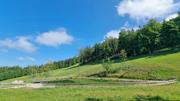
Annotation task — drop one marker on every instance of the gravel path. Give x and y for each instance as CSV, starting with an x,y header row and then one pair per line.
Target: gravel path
x,y
119,82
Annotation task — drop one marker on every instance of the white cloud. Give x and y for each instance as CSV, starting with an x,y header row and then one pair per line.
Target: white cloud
x,y
115,33
20,43
26,58
171,17
54,38
145,9
112,34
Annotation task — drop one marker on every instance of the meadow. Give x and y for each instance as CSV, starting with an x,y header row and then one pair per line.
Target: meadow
x,y
154,67
94,93
84,83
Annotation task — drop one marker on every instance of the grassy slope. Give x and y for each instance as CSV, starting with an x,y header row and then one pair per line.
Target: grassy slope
x,y
152,67
164,66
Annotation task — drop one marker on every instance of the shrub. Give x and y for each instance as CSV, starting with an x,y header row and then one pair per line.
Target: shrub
x,y
107,66
123,55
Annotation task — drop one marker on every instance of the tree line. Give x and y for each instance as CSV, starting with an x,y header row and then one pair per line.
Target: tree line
x,y
8,72
145,40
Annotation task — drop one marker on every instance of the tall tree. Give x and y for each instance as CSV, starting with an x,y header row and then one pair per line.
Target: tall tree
x,y
128,41
177,20
86,54
170,35
110,46
150,35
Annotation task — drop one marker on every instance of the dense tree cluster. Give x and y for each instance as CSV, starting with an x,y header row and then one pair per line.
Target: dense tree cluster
x,y
17,71
152,36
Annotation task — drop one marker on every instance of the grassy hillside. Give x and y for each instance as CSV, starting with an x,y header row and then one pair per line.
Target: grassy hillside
x,y
159,66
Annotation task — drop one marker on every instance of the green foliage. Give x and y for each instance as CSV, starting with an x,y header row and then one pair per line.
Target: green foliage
x,y
123,55
148,36
128,42
170,34
17,71
177,20
151,37
11,72
99,51
85,54
110,47
107,65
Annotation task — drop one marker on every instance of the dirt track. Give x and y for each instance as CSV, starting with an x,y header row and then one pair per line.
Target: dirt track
x,y
109,84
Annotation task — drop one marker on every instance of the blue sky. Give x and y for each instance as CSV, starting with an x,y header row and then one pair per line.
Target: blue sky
x,y
36,31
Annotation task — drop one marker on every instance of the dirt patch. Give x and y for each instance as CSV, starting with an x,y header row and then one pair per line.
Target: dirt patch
x,y
25,85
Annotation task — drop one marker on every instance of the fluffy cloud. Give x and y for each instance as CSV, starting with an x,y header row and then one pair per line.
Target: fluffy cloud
x,y
112,34
145,9
115,33
54,38
171,17
26,58
20,43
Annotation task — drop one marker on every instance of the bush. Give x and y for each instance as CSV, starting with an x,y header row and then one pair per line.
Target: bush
x,y
123,55
107,66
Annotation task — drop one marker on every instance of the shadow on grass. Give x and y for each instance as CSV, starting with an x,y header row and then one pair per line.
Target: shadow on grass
x,y
136,98
155,54
62,81
93,99
149,98
164,52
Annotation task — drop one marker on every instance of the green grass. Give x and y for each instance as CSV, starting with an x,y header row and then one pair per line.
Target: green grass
x,y
156,67
152,67
162,66
82,93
